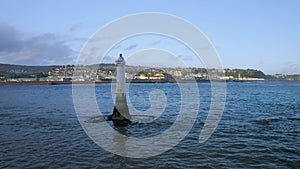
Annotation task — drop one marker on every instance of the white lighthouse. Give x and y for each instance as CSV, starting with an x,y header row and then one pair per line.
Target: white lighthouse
x,y
120,114
120,62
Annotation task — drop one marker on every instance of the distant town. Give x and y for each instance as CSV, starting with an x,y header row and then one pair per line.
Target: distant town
x,y
105,73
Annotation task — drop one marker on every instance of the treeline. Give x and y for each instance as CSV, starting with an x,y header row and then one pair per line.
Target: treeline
x,y
245,73
233,72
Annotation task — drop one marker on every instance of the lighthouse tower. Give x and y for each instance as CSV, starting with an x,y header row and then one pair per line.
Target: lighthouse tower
x,y
120,114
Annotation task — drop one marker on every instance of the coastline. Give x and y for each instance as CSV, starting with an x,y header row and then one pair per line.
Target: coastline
x,y
3,83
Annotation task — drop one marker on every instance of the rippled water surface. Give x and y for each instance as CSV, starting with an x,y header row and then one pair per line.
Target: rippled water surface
x,y
260,128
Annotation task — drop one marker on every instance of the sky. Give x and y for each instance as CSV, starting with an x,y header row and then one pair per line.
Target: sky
x,y
252,34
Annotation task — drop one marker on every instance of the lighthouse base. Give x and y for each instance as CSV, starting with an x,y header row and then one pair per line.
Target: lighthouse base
x,y
118,119
120,116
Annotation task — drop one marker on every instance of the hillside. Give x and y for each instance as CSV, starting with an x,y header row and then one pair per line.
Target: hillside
x,y
9,70
108,71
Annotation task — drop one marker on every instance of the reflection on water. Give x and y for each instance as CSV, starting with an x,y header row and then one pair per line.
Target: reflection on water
x,y
260,127
119,140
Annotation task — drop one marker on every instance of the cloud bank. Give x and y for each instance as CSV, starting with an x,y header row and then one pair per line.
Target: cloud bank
x,y
17,47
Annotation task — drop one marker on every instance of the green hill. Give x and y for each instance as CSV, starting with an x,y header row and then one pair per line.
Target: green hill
x,y
9,70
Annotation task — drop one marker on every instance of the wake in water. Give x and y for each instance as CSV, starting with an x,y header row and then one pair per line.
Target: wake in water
x,y
135,119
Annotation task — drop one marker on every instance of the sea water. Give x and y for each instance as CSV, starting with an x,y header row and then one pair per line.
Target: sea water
x,y
260,127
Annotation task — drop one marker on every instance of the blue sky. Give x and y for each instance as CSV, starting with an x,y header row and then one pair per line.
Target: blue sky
x,y
247,34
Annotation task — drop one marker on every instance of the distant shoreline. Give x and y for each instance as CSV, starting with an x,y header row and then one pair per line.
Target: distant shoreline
x,y
99,82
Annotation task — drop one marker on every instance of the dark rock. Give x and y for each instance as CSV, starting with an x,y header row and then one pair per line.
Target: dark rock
x,y
263,122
